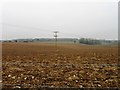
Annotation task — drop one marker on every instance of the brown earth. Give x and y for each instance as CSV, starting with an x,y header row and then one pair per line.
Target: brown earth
x,y
32,65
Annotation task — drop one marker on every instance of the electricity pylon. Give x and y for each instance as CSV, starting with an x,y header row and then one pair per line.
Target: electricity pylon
x,y
56,35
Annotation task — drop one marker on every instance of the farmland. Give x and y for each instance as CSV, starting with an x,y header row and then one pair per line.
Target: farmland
x,y
32,65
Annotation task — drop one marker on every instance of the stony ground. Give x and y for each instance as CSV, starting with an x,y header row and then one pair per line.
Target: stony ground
x,y
32,65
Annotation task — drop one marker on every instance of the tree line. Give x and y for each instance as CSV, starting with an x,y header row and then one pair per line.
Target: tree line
x,y
90,41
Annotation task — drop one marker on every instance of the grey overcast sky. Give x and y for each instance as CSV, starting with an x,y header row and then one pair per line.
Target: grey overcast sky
x,y
72,18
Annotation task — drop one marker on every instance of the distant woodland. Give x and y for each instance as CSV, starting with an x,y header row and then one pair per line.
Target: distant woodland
x,y
88,41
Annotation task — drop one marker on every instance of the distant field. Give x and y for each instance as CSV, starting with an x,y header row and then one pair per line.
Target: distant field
x,y
72,65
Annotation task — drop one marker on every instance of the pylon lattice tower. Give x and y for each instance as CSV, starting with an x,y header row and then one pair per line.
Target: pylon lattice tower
x,y
56,35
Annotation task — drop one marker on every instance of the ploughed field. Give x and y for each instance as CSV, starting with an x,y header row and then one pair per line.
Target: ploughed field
x,y
34,65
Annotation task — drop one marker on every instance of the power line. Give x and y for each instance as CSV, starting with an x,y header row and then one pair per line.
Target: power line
x,y
33,28
25,27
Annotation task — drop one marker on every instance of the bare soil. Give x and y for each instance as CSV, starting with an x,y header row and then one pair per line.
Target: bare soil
x,y
32,65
